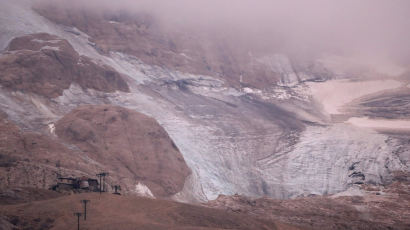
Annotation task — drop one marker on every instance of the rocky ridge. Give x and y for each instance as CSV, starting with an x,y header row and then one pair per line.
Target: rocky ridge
x,y
46,65
185,50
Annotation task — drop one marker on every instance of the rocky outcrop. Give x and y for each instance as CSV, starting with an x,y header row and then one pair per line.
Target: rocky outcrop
x,y
216,53
46,65
30,159
134,148
393,104
127,143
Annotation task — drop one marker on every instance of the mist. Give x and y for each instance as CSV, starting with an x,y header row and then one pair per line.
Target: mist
x,y
373,30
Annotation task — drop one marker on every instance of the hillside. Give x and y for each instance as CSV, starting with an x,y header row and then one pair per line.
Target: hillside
x,y
130,145
291,136
240,127
125,212
92,139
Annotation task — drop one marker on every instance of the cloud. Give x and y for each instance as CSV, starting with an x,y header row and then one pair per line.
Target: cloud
x,y
367,28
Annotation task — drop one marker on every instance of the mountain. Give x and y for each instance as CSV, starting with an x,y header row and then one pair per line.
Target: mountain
x,y
190,116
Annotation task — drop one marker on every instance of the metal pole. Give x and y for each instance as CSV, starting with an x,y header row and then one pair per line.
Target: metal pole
x,y
103,185
102,180
85,208
99,177
78,214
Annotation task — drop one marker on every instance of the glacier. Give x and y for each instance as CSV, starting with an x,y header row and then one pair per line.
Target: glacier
x,y
252,142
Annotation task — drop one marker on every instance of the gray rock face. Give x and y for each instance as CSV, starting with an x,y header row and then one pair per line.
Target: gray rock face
x,y
273,142
292,72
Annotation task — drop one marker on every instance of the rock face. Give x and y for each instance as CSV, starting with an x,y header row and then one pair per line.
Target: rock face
x,y
127,143
30,159
46,65
185,50
132,146
390,105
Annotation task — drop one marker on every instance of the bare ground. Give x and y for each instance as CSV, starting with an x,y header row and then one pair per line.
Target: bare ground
x,y
110,211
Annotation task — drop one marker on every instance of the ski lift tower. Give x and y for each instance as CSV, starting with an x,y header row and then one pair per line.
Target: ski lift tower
x,y
101,177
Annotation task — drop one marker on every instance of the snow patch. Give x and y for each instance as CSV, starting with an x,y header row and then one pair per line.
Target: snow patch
x,y
353,191
185,56
142,190
54,41
252,91
50,48
42,107
52,128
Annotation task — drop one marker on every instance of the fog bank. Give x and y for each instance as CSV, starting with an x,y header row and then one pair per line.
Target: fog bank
x,y
368,29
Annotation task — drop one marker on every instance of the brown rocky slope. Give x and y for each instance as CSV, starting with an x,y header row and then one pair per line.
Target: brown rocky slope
x,y
126,212
46,65
31,159
129,144
132,147
377,207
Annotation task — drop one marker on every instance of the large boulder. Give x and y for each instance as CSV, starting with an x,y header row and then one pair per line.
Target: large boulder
x,y
127,143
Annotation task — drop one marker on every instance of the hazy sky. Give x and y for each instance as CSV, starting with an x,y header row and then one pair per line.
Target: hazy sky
x,y
370,28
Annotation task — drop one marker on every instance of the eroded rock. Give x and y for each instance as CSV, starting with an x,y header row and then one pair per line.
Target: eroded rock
x,y
46,65
127,143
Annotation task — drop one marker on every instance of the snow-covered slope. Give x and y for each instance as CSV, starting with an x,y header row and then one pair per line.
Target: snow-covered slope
x,y
275,142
